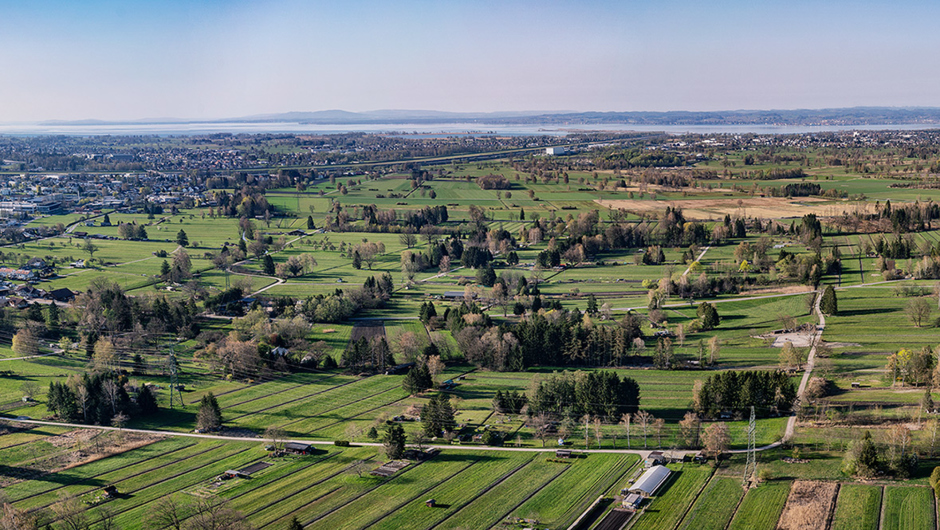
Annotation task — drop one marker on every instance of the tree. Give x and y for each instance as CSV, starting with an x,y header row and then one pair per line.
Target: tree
x,y
689,429
12,518
52,315
294,523
30,389
182,239
70,512
394,441
104,358
828,304
709,316
25,343
408,239
714,350
90,248
275,435
643,420
268,265
716,439
165,270
918,310
209,416
625,423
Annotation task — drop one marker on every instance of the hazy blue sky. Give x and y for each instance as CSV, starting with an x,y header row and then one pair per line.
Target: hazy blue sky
x,y
207,59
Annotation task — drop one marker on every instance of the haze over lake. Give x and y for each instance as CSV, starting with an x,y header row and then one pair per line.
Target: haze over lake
x,y
196,128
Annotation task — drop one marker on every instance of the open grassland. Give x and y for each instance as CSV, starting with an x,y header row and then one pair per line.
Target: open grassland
x,y
858,507
761,507
715,506
907,508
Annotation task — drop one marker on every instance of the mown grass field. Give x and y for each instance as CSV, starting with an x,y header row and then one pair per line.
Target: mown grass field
x,y
858,507
715,506
761,507
907,508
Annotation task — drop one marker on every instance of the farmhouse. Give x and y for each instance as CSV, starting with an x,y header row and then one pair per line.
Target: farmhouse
x,y
63,294
650,481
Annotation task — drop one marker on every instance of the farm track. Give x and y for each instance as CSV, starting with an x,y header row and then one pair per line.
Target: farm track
x,y
125,478
155,483
497,482
293,400
129,508
363,494
529,496
422,493
288,389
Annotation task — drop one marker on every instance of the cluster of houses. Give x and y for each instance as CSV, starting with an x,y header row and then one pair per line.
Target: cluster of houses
x,y
19,296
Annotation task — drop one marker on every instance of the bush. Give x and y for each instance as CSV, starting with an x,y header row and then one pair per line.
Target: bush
x,y
492,438
935,480
341,443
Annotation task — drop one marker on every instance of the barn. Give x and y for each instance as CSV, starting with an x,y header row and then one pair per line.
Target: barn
x,y
650,481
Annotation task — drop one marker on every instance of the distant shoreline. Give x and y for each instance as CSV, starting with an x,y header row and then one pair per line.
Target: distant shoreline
x,y
437,129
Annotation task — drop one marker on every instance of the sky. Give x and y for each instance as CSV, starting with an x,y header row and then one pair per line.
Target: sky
x,y
206,59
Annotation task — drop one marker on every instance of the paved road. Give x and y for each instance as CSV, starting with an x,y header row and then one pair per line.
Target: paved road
x,y
643,453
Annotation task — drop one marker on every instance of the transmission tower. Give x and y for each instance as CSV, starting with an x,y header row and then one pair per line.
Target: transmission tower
x,y
174,384
751,465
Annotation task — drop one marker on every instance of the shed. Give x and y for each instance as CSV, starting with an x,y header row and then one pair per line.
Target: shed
x,y
632,501
650,481
654,459
563,453
298,448
430,503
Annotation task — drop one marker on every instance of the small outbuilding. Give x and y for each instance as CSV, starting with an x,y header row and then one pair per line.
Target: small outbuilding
x,y
650,481
656,458
632,501
563,453
298,448
430,503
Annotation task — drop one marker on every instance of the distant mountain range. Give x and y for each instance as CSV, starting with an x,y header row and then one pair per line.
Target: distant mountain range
x,y
860,116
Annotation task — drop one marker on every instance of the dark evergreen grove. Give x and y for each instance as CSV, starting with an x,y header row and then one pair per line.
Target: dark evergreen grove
x,y
737,391
573,394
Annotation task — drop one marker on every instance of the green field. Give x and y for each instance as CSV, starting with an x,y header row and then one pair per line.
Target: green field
x,y
761,507
858,506
715,506
908,508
